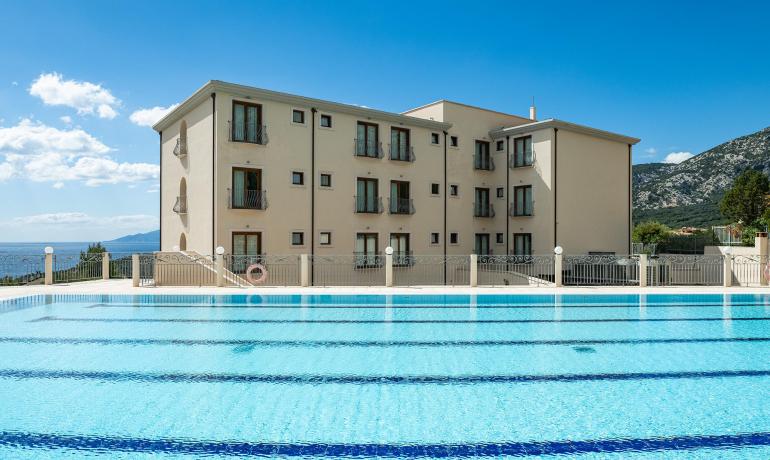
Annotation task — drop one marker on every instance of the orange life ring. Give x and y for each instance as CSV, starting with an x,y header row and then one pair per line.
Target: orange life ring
x,y
262,273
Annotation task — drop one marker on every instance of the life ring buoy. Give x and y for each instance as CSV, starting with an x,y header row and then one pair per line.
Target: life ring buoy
x,y
262,273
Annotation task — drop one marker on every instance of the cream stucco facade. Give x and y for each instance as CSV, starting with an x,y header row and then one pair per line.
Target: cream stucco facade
x,y
580,178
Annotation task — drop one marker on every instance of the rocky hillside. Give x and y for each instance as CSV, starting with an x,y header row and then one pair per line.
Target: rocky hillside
x,y
688,193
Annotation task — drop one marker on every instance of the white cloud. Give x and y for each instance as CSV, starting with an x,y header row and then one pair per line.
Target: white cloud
x,y
66,119
85,97
677,157
73,218
42,153
148,117
652,151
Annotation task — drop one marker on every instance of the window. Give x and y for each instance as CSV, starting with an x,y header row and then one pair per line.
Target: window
x,y
400,149
453,141
434,189
400,203
522,152
482,207
499,238
434,238
453,238
400,244
482,159
326,121
247,247
297,178
482,244
522,200
325,239
297,238
500,192
367,143
247,123
366,250
298,116
247,190
500,145
454,190
522,244
434,139
326,180
367,199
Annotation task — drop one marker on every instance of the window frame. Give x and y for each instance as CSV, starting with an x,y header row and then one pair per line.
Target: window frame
x,y
438,238
301,238
301,175
500,192
454,142
454,238
454,190
245,170
321,182
320,239
375,198
438,187
500,145
435,136
516,211
366,125
528,238
482,156
246,122
322,117
517,154
405,155
301,112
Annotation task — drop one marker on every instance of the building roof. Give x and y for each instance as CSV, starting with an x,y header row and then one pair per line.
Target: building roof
x,y
565,125
214,86
446,101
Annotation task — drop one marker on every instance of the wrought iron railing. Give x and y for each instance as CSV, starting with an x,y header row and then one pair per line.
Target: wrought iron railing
x,y
516,270
183,269
366,148
528,211
241,134
483,162
351,270
685,270
120,265
747,270
69,268
248,199
280,270
367,205
600,270
180,207
397,153
433,270
400,206
483,210
180,150
525,162
18,270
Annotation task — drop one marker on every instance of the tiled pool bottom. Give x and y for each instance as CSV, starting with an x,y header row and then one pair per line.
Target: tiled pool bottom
x,y
572,376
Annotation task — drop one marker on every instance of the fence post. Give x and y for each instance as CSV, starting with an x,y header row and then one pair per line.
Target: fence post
x,y
389,266
105,265
304,271
135,270
760,242
474,270
727,275
48,265
558,271
643,265
219,263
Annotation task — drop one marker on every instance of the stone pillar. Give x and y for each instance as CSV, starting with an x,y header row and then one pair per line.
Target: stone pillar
x,y
135,270
219,263
558,271
304,270
389,270
643,264
727,272
48,265
105,265
760,243
474,270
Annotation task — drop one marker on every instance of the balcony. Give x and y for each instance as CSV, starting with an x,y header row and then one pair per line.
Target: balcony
x,y
367,149
246,135
483,210
528,210
527,161
247,199
180,207
400,206
483,162
367,205
180,150
398,153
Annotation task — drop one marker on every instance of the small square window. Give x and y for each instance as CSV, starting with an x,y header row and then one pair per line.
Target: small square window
x,y
453,141
500,192
434,138
326,180
297,238
500,145
298,116
297,178
454,190
326,238
434,189
326,121
434,238
453,238
499,238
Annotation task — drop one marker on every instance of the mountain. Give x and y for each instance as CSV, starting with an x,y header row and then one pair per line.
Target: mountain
x,y
149,237
688,193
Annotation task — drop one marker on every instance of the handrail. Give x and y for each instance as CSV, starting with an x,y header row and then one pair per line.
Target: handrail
x,y
398,154
483,210
400,206
251,199
483,162
260,137
367,149
365,205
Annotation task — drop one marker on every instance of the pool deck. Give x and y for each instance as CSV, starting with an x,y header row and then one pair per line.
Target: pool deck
x,y
116,287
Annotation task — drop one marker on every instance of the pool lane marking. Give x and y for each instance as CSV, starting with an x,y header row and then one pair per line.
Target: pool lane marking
x,y
395,321
108,443
370,343
317,379
426,306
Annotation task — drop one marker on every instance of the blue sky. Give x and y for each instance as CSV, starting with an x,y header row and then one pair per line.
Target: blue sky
x,y
683,76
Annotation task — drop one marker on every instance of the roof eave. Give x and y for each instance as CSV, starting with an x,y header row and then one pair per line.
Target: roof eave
x,y
554,123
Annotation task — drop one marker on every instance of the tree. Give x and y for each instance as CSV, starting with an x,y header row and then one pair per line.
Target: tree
x,y
746,201
651,232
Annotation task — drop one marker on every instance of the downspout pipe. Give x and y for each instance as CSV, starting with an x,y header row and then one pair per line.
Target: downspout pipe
x,y
213,172
446,191
555,183
313,111
160,191
507,194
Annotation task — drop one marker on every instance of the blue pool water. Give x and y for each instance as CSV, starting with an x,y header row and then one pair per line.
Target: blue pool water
x,y
541,376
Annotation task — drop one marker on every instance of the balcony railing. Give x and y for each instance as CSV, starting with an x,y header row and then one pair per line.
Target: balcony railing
x,y
180,207
397,153
367,205
483,162
247,199
368,260
241,134
368,149
180,150
527,162
403,259
400,206
528,211
483,210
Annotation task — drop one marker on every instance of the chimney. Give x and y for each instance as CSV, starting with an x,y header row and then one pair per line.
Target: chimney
x,y
533,111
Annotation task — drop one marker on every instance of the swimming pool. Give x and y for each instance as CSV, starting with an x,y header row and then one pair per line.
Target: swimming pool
x,y
570,376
